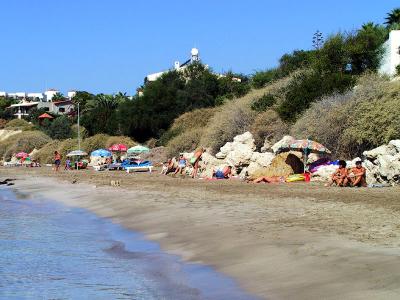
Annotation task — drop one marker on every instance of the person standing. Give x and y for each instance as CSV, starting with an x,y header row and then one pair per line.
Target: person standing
x,y
57,161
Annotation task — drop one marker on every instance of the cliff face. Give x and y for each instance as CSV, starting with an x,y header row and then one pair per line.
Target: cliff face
x,y
6,133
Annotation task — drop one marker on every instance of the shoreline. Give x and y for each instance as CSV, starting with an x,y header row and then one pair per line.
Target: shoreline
x,y
276,241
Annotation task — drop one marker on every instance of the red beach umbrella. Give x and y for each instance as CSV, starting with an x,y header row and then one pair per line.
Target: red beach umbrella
x,y
118,148
21,155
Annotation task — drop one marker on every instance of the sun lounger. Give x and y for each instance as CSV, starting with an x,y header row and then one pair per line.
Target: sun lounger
x,y
139,167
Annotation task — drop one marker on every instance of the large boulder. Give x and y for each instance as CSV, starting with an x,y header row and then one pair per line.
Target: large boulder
x,y
239,152
283,164
395,144
259,160
324,173
287,139
381,150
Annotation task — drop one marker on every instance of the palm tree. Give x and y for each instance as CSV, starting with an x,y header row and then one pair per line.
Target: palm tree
x,y
393,17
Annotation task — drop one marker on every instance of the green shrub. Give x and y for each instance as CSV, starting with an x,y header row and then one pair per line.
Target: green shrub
x,y
350,123
263,103
398,70
262,78
307,87
59,128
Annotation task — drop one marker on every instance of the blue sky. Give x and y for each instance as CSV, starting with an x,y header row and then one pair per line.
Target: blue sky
x,y
109,46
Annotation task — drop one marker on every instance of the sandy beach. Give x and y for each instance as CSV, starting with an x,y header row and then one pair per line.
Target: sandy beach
x,y
287,241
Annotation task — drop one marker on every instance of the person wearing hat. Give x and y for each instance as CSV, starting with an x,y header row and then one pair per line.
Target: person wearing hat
x,y
357,175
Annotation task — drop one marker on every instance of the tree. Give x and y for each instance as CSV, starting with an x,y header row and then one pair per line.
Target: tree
x,y
60,128
318,40
365,48
58,97
393,17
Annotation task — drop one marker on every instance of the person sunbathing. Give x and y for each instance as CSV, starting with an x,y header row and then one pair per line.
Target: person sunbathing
x,y
270,179
224,173
357,175
182,163
340,176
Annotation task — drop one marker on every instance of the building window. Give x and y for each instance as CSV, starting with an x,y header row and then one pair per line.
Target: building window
x,y
61,110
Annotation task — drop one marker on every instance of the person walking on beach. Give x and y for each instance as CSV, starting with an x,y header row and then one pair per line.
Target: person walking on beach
x,y
195,160
57,161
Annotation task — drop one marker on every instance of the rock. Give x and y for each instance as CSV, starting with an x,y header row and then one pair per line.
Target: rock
x,y
287,139
395,144
262,159
245,138
388,167
239,152
266,147
324,173
282,165
381,150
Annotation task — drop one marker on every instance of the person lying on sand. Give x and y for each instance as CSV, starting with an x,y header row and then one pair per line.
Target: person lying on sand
x,y
340,176
224,173
356,175
195,160
270,179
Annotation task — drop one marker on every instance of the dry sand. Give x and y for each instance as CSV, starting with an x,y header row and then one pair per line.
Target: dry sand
x,y
283,241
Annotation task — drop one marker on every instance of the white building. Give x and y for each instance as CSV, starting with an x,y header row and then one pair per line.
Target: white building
x,y
35,96
49,94
391,56
194,57
71,94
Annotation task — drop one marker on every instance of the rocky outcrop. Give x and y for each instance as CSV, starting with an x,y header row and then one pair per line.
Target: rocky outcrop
x,y
383,163
287,139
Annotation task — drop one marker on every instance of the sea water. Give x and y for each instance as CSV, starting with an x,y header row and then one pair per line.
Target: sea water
x,y
51,251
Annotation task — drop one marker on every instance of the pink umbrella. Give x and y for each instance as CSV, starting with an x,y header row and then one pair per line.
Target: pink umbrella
x,y
118,148
21,155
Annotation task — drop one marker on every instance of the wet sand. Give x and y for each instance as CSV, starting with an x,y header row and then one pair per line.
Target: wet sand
x,y
284,241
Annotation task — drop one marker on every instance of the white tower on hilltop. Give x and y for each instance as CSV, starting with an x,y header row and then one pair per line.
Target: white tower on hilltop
x,y
194,55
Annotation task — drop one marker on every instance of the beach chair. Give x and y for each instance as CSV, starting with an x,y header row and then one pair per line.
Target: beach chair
x,y
144,166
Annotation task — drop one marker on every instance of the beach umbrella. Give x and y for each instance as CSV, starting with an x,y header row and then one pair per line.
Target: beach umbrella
x,y
305,146
101,153
77,153
118,148
21,155
138,149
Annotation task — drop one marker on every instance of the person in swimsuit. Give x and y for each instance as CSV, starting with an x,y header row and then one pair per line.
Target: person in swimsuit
x,y
224,173
182,163
357,175
57,161
340,176
195,160
270,179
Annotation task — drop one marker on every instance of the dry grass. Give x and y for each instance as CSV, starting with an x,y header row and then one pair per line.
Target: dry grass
x,y
268,126
19,124
25,141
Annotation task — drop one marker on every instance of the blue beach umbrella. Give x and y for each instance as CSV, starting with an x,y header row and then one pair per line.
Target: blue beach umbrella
x,y
101,153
